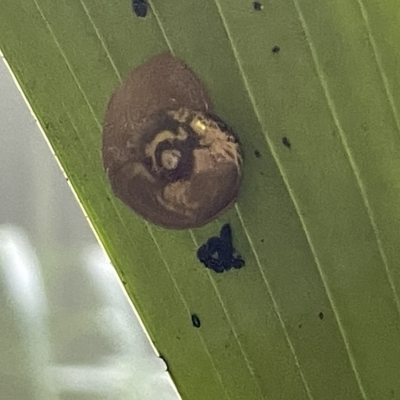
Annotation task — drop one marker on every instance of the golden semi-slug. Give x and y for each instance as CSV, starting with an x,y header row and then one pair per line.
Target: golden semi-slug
x,y
166,154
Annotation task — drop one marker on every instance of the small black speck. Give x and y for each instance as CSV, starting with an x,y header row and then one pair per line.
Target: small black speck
x,y
257,153
300,325
195,321
67,179
276,49
286,142
321,315
257,5
262,240
139,8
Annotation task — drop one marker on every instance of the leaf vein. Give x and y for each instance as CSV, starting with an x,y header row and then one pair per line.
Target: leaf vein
x,y
379,62
103,44
187,309
253,102
83,95
196,244
360,183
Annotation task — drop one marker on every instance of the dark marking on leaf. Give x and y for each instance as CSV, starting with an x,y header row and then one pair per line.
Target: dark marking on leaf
x,y
286,142
218,253
195,321
139,8
257,153
276,49
257,5
321,315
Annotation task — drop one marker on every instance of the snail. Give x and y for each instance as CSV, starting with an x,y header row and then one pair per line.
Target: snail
x,y
167,155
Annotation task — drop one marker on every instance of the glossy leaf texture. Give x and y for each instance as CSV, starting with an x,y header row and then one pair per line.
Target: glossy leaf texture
x,y
312,89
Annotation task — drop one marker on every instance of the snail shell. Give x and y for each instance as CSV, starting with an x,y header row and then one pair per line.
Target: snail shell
x,y
166,154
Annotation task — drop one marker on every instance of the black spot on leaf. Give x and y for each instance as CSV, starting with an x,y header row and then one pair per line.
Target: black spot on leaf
x,y
195,321
286,142
139,8
257,5
218,253
276,49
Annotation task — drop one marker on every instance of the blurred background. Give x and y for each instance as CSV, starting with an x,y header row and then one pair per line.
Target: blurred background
x,y
67,329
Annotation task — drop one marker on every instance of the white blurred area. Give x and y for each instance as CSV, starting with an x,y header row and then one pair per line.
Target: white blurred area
x,y
67,329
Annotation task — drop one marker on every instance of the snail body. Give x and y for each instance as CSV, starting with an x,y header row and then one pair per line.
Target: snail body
x,y
166,154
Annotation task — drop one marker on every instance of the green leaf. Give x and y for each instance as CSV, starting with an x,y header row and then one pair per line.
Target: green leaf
x,y
315,313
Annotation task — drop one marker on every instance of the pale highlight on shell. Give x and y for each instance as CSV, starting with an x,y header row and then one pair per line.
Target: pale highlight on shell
x,y
166,154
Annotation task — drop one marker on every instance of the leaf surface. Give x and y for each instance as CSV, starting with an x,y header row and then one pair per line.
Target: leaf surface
x,y
315,313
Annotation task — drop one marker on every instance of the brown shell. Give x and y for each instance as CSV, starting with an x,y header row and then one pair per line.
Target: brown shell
x,y
166,154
